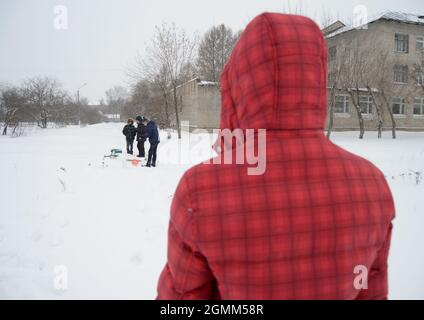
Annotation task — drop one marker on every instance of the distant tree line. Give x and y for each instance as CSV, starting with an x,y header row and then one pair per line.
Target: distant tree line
x,y
171,58
42,100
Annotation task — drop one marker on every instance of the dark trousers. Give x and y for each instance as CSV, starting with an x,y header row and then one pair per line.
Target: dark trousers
x,y
140,147
151,160
130,143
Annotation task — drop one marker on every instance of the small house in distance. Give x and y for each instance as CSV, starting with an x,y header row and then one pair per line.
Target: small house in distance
x,y
199,103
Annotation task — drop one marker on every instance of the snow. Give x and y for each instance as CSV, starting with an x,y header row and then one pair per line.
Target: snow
x,y
403,17
199,82
207,83
387,15
105,223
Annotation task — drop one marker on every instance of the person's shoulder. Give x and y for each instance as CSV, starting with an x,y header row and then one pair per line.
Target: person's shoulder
x,y
376,185
203,175
361,166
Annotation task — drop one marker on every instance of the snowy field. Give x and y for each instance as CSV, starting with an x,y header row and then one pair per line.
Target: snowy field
x,y
65,211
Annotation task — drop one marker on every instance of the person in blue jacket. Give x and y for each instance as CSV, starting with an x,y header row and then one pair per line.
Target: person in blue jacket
x,y
152,133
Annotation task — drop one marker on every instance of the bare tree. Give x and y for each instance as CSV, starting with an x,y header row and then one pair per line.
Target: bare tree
x,y
382,79
378,109
42,99
350,78
377,81
327,17
362,67
336,72
170,51
148,99
142,79
116,98
369,80
335,77
11,102
214,50
44,96
297,8
162,83
418,71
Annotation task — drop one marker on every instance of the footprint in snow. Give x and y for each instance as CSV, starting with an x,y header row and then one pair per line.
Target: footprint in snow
x,y
36,236
137,258
5,256
56,241
41,265
63,222
45,215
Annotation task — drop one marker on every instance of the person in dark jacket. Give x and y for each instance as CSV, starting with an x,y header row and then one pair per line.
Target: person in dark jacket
x,y
141,136
152,134
129,132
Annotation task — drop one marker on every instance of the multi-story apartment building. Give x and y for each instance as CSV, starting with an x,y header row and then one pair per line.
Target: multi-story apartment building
x,y
376,64
380,65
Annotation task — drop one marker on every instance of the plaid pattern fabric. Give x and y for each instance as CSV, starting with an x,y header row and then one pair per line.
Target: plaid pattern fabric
x,y
299,230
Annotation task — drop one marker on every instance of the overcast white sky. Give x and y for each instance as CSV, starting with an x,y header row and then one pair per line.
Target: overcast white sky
x,y
103,36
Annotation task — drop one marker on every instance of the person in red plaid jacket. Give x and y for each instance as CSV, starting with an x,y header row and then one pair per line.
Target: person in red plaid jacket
x,y
318,218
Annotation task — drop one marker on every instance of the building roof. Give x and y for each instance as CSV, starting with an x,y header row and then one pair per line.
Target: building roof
x,y
401,17
199,82
333,27
207,83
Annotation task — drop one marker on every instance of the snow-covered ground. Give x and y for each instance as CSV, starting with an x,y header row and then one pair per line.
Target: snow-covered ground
x,y
64,213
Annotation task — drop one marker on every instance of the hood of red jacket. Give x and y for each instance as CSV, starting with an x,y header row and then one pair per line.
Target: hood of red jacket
x,y
275,78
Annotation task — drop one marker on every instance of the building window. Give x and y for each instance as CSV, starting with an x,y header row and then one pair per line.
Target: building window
x,y
400,74
420,78
332,53
365,103
401,43
419,44
419,106
341,104
398,106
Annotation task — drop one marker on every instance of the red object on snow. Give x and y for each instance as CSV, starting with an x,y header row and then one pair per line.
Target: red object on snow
x,y
310,225
135,162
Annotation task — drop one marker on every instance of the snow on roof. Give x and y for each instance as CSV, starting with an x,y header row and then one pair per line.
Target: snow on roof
x,y
355,89
333,27
387,15
364,89
199,82
403,17
207,83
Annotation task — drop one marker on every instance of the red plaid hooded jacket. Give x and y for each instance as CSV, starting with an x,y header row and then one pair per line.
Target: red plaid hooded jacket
x,y
316,220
